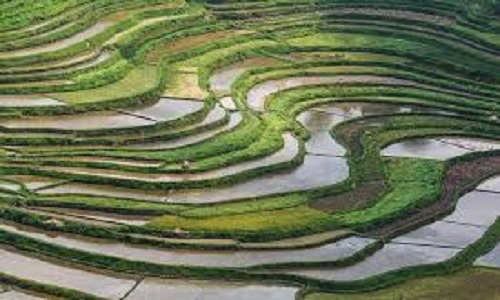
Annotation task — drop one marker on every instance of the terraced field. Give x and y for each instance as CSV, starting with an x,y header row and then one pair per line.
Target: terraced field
x,y
313,150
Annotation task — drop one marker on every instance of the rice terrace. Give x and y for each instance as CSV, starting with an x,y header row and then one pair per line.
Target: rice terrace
x,y
250,150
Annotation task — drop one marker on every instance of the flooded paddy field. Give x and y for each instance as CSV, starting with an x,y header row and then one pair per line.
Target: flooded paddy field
x,y
249,150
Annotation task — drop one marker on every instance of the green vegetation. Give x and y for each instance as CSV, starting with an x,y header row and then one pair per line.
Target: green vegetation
x,y
480,284
345,79
143,79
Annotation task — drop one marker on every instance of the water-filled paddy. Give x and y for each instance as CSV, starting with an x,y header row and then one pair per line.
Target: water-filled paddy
x,y
28,101
16,295
286,154
84,122
391,257
316,171
152,288
23,266
492,259
477,208
443,234
163,110
220,167
230,258
83,35
257,96
33,182
428,148
492,185
213,116
222,79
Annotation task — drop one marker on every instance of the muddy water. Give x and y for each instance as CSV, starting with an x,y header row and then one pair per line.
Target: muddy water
x,y
152,288
29,268
244,258
257,96
391,257
27,101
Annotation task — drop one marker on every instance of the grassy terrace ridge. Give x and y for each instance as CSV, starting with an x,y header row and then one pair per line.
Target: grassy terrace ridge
x,y
313,150
470,284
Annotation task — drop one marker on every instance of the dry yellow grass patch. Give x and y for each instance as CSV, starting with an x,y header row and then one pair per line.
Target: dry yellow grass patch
x,y
185,85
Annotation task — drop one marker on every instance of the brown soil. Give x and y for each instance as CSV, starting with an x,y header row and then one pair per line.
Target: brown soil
x,y
192,42
357,198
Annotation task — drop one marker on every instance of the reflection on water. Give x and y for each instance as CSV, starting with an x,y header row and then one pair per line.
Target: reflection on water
x,y
316,171
391,257
27,101
58,45
230,258
424,148
437,242
222,79
164,110
16,295
152,288
257,95
319,120
443,234
439,148
477,208
289,151
29,268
